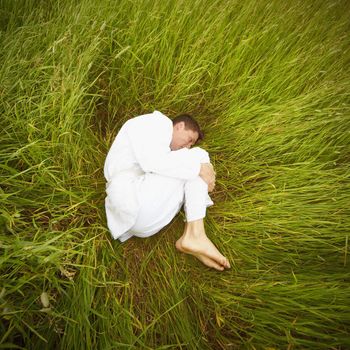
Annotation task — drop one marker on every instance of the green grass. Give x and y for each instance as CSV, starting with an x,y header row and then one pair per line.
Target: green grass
x,y
269,82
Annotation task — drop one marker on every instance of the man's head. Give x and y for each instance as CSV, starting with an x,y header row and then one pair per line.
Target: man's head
x,y
186,132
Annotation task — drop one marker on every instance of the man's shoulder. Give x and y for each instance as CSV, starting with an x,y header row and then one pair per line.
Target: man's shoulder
x,y
156,118
156,115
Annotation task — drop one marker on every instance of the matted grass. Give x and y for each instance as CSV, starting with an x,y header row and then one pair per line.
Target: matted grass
x,y
269,81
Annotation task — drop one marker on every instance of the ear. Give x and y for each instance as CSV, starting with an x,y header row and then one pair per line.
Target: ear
x,y
180,126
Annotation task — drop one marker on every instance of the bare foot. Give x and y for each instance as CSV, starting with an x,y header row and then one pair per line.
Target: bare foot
x,y
204,250
204,259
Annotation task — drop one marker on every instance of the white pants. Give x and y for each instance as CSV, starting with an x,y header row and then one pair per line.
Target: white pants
x,y
161,198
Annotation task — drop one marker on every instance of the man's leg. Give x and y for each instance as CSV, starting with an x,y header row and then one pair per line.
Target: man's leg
x,y
194,240
160,198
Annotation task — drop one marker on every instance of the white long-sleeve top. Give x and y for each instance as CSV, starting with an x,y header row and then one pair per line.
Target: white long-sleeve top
x,y
141,146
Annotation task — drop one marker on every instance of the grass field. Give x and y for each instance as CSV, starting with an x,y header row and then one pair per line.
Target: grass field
x,y
269,82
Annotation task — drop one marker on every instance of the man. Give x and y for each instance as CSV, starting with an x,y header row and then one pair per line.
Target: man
x,y
151,171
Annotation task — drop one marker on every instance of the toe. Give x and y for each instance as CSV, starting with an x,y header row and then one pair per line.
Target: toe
x,y
223,262
215,265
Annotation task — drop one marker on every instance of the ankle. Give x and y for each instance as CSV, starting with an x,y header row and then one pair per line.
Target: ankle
x,y
195,229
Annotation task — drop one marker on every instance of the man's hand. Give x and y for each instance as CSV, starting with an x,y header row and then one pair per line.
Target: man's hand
x,y
207,173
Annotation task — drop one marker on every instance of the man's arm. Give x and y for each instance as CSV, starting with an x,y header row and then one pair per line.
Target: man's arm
x,y
208,174
150,140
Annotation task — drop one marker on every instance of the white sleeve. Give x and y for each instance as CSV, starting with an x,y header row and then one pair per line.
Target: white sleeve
x,y
150,140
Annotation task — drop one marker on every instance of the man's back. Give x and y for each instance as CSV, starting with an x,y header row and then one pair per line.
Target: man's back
x,y
136,133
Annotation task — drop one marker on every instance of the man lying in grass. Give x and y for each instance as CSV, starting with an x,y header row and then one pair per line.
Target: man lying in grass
x,y
151,171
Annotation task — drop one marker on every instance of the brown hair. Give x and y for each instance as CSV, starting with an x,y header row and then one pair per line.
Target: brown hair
x,y
190,123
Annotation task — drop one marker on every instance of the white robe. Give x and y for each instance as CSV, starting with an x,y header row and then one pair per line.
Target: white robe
x,y
141,170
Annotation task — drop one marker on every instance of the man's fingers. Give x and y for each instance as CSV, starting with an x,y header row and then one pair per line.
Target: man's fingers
x,y
211,186
208,174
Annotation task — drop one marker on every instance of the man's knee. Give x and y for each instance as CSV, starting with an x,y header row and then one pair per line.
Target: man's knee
x,y
201,154
197,184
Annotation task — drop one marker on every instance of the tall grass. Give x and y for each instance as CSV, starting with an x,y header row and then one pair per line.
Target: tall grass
x,y
269,81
